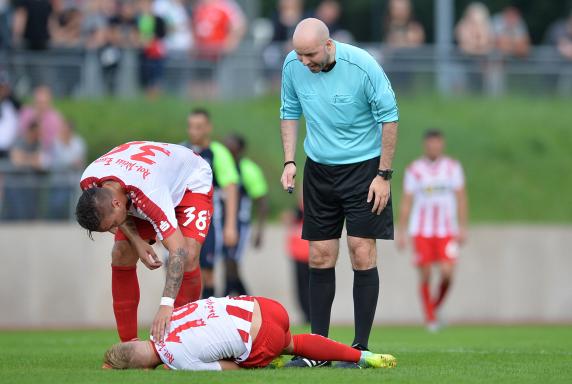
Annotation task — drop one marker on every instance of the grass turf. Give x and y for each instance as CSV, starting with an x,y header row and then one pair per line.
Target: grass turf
x,y
516,151
468,354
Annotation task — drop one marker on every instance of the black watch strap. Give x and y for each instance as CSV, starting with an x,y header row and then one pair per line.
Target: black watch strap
x,y
290,162
385,174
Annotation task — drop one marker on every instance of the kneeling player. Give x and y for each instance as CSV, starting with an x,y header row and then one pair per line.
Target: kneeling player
x,y
230,333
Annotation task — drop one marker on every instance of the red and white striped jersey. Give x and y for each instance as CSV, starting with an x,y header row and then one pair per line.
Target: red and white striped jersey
x,y
433,185
155,176
206,331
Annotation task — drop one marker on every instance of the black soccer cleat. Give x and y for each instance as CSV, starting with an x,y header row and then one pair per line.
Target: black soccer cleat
x,y
302,362
348,364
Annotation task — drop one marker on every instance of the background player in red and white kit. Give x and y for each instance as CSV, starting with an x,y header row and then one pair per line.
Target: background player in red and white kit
x,y
140,191
435,202
233,332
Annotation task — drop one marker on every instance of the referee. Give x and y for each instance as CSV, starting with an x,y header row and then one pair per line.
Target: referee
x,y
348,103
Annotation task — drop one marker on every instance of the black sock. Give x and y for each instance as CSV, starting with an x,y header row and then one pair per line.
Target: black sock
x,y
240,288
366,291
230,287
208,292
322,291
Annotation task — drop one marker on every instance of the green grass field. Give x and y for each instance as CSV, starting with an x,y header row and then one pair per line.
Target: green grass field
x,y
467,354
516,151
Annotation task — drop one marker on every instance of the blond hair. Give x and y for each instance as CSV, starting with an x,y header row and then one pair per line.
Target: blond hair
x,y
119,356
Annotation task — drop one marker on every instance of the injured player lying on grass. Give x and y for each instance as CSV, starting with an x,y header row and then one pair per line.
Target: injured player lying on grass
x,y
230,333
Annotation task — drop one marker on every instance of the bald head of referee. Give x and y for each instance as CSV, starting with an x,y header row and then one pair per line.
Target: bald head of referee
x,y
313,45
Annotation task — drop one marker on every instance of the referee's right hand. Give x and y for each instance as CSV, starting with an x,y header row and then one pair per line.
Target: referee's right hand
x,y
288,177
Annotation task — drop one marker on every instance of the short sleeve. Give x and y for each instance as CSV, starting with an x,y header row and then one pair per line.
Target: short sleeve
x,y
379,93
290,108
224,166
458,177
409,181
253,179
158,209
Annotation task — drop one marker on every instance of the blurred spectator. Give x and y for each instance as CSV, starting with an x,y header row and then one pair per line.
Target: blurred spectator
x,y
42,113
287,16
299,251
4,24
560,36
253,191
510,32
68,17
329,11
9,108
33,23
152,31
121,32
93,24
474,32
68,151
284,20
179,37
402,31
123,25
27,150
218,27
66,160
21,193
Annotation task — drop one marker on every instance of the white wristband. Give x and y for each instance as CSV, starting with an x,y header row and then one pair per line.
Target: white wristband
x,y
168,301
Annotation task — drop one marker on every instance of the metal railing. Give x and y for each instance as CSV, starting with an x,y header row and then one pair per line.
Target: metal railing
x,y
249,72
27,194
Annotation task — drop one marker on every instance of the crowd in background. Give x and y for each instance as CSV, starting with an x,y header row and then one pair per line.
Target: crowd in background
x,y
41,157
36,139
208,30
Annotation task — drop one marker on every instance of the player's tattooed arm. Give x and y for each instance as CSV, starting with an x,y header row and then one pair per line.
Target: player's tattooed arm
x,y
175,270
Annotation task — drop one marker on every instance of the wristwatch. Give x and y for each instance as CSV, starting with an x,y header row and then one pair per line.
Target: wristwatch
x,y
385,173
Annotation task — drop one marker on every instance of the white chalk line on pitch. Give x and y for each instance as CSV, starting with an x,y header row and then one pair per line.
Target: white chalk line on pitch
x,y
482,351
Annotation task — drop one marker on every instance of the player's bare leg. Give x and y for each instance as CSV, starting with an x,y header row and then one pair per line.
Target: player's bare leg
x,y
125,289
192,284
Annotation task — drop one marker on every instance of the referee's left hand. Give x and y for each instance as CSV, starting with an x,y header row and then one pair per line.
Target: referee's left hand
x,y
379,191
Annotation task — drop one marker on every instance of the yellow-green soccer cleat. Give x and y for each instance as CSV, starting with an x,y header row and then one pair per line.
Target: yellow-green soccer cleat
x,y
377,360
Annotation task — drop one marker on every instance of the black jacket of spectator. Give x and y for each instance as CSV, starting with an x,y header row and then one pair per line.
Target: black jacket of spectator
x,y
36,32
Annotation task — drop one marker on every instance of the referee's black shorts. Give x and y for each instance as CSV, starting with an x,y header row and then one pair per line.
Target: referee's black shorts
x,y
334,193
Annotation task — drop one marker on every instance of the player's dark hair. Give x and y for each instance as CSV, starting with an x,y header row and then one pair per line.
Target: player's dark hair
x,y
239,140
433,133
88,211
201,111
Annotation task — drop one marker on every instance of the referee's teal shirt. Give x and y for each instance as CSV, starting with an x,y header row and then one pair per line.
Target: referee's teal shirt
x,y
343,107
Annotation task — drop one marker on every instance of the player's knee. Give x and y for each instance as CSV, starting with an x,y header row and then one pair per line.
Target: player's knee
x,y
122,255
193,251
322,260
322,256
363,256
